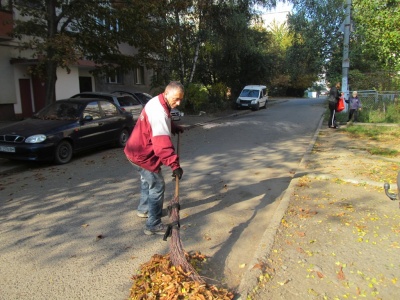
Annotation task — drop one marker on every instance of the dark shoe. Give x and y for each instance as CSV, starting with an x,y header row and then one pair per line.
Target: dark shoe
x,y
142,214
158,229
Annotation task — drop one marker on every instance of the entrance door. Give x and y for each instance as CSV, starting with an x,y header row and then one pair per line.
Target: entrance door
x,y
39,93
26,97
85,84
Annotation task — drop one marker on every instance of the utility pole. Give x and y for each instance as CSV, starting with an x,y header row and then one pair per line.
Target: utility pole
x,y
346,45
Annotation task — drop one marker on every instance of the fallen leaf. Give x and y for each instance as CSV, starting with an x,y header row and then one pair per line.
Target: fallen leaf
x,y
258,266
299,249
340,274
207,238
283,282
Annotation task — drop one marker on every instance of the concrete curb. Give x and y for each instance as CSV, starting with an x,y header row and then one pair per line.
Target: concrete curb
x,y
250,278
323,176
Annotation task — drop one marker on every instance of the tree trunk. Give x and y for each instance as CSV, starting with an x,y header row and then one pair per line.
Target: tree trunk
x,y
51,78
195,58
51,64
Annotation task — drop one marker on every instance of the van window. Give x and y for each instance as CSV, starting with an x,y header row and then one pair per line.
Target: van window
x,y
249,93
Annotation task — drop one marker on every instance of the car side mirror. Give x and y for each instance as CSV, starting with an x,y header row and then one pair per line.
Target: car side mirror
x,y
88,118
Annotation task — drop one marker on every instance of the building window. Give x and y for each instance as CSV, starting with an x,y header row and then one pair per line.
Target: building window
x,y
139,75
114,77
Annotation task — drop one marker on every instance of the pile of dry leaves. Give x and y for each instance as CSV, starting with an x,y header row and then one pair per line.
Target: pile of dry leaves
x,y
159,279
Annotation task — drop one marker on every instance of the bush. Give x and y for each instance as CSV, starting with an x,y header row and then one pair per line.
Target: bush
x,y
219,98
196,96
211,99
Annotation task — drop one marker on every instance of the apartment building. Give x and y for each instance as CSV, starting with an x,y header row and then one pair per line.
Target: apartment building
x,y
22,94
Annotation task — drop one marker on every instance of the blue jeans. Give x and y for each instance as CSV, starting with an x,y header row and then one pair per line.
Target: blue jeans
x,y
151,196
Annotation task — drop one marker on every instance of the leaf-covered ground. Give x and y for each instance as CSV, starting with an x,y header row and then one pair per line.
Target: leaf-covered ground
x,y
159,279
340,236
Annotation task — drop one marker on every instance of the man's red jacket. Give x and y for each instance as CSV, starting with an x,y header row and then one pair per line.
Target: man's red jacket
x,y
150,144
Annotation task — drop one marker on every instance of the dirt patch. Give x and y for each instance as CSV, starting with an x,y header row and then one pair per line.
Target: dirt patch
x,y
345,156
339,238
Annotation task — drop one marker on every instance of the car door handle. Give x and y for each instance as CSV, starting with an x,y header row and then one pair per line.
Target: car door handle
x,y
100,124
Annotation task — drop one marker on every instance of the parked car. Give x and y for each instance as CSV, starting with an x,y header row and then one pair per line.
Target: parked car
x,y
144,98
65,127
253,96
124,100
175,114
324,92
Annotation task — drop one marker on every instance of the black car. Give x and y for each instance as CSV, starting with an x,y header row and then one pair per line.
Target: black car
x,y
65,127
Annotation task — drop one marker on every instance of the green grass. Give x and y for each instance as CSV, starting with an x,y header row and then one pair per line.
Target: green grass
x,y
372,113
374,132
383,152
385,134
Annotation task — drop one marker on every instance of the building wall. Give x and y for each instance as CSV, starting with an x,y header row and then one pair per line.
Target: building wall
x,y
67,85
7,94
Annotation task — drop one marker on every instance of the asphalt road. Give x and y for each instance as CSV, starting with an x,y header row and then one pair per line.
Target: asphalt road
x,y
71,232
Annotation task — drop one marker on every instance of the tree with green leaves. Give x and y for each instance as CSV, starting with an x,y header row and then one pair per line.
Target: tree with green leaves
x,y
317,39
59,33
374,41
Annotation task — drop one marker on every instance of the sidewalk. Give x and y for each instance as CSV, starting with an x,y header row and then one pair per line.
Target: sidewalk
x,y
335,235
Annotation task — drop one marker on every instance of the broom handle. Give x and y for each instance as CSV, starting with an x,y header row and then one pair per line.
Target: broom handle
x,y
176,178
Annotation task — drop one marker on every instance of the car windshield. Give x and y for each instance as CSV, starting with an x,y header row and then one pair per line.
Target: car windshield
x,y
249,93
60,111
127,101
143,97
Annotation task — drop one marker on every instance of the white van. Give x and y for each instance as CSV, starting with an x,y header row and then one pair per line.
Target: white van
x,y
253,96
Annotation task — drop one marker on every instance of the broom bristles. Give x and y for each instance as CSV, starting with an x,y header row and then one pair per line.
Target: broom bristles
x,y
177,254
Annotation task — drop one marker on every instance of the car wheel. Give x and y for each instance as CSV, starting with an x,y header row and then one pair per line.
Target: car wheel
x,y
123,138
257,107
265,105
63,153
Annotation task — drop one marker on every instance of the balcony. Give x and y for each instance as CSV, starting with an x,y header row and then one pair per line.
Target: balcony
x,y
6,25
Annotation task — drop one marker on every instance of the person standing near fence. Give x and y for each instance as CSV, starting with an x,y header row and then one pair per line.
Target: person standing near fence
x,y
355,106
333,99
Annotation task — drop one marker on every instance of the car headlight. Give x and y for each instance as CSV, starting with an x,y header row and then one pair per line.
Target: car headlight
x,y
254,101
34,139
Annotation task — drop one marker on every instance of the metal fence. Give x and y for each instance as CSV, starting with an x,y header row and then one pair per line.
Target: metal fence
x,y
377,100
379,106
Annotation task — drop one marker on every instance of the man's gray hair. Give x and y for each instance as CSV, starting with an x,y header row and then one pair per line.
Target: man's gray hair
x,y
175,85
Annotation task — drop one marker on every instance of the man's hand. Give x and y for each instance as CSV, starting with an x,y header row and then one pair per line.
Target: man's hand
x,y
177,173
177,129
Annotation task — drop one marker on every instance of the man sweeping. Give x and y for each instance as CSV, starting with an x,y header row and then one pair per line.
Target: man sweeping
x,y
149,147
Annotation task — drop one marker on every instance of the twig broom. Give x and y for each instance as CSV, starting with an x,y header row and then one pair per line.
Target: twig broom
x,y
177,254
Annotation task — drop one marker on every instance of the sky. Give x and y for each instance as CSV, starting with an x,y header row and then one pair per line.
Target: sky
x,y
279,13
